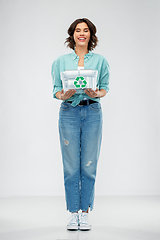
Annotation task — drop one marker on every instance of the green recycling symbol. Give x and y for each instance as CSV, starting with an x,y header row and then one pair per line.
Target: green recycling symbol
x,y
80,82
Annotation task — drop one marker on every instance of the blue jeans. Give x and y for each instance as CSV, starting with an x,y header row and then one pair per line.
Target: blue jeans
x,y
80,130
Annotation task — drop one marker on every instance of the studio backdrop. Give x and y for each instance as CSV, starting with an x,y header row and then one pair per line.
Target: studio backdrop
x,y
33,33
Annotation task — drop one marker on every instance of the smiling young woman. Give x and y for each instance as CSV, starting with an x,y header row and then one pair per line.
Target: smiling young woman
x,y
80,121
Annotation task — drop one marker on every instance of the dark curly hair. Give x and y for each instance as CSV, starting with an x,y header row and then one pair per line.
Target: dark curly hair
x,y
93,38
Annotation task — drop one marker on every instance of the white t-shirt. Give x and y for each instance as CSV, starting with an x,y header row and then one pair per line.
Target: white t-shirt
x,y
80,67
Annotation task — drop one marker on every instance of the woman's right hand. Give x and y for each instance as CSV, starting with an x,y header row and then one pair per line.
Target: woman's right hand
x,y
64,96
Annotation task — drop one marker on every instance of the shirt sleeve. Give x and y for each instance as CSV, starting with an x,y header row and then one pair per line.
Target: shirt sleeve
x,y
56,80
104,76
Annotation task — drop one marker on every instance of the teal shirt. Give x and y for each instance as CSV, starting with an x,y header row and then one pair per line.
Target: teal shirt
x,y
70,62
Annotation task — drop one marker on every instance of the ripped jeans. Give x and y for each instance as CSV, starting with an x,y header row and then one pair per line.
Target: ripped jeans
x,y
80,130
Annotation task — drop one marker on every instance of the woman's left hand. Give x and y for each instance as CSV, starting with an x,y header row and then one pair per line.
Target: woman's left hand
x,y
91,93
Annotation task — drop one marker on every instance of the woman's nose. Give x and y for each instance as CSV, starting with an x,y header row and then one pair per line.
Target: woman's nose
x,y
81,33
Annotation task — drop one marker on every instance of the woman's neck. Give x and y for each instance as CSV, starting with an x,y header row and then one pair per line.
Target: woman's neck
x,y
80,51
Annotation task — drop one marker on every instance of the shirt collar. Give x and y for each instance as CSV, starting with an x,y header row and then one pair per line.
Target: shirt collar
x,y
88,55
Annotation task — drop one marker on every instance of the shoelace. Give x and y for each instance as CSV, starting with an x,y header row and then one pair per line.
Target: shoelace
x,y
84,218
74,218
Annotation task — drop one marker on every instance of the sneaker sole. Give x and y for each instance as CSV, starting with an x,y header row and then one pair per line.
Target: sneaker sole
x,y
84,228
72,228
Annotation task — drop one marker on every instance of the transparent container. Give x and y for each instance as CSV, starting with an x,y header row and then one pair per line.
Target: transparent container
x,y
79,79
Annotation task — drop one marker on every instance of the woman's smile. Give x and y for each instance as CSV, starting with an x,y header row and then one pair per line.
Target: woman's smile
x,y
82,39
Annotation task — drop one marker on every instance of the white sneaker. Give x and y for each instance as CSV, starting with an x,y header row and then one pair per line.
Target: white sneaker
x,y
73,223
84,225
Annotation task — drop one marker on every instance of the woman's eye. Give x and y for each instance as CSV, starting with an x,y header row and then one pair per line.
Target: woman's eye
x,y
84,30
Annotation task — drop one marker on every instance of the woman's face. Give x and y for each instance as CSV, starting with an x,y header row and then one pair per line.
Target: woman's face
x,y
81,35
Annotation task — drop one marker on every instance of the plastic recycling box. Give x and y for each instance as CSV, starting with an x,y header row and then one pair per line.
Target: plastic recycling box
x,y
79,79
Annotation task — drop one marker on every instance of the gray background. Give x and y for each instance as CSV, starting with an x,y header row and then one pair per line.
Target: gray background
x,y
32,37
